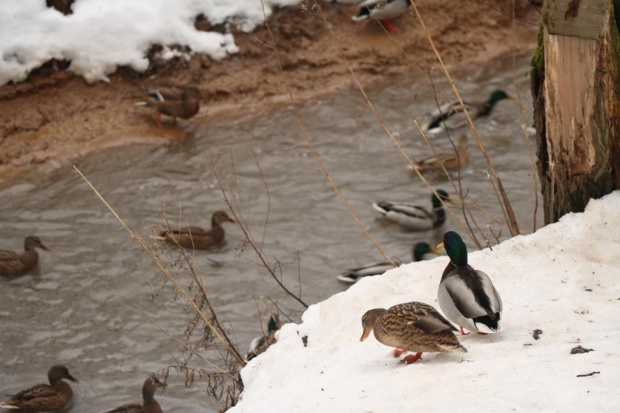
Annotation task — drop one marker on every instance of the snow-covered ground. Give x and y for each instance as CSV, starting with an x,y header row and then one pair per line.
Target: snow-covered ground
x,y
103,34
564,280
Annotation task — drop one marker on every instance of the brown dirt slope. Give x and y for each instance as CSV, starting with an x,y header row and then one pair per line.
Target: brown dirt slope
x,y
55,115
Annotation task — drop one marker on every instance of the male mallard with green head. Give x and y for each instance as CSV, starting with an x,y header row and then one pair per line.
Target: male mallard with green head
x,y
149,404
420,250
413,326
43,397
260,344
450,115
13,263
196,237
415,217
467,296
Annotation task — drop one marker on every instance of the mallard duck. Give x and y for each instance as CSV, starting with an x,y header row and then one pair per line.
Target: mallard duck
x,y
382,10
196,237
354,275
149,404
449,160
415,217
411,326
260,344
467,296
43,397
13,263
177,103
450,115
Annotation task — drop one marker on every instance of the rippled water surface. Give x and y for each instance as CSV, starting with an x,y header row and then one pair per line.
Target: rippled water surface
x,y
79,307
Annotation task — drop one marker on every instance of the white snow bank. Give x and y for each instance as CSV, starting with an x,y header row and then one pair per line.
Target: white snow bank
x,y
563,280
103,34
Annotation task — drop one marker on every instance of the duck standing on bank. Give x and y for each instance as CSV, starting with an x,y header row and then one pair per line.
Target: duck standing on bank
x,y
43,397
13,263
451,115
149,404
176,103
420,250
466,296
412,327
415,217
198,238
382,10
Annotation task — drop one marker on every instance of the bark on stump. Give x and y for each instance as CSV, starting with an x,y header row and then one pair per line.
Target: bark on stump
x,y
576,90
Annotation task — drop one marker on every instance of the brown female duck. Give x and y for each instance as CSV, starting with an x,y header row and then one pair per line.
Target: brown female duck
x,y
12,263
43,397
149,404
199,238
177,103
450,160
411,326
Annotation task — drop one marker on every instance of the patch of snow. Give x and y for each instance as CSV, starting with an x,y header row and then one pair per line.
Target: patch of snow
x,y
101,35
563,280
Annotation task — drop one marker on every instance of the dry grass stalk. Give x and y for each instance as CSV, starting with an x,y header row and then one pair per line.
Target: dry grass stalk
x,y
223,384
507,208
385,127
232,206
315,154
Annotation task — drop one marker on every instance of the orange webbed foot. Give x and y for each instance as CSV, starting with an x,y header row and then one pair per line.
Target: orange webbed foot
x,y
389,26
158,121
463,333
482,334
412,358
397,352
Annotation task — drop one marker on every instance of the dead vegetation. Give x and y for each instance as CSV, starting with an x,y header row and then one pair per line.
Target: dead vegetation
x,y
211,358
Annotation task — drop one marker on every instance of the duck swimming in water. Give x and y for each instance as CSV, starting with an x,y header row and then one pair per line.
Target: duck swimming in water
x,y
451,116
44,397
13,263
415,217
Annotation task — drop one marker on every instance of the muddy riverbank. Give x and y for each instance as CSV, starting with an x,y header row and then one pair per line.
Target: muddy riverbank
x,y
55,116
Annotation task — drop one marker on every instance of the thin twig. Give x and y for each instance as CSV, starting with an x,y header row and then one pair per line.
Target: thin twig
x,y
135,236
315,154
510,218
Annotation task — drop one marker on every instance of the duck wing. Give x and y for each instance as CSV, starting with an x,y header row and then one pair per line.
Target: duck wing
x,y
473,294
355,274
188,230
171,108
426,318
448,115
41,397
412,210
9,261
168,93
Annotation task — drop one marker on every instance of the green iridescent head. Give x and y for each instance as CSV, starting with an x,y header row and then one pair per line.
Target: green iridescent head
x,y
498,95
443,195
421,249
455,248
272,326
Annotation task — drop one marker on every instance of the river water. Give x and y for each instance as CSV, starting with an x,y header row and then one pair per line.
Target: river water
x,y
79,307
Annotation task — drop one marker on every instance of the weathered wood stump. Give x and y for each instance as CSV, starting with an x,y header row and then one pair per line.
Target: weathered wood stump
x,y
576,89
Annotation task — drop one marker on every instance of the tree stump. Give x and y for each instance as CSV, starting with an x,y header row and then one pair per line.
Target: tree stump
x,y
576,90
